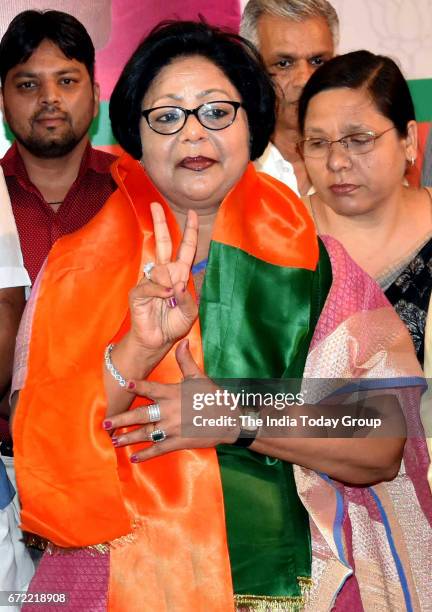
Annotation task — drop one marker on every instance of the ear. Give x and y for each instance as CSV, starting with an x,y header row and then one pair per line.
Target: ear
x,y
411,141
96,99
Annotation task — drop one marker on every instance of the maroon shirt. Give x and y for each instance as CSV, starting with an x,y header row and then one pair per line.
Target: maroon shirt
x,y
38,225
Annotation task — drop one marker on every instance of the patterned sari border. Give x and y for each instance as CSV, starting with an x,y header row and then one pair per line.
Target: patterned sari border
x,y
337,525
382,383
396,558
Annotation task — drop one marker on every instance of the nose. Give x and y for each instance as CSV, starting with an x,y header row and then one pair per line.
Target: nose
x,y
338,157
302,73
49,93
193,130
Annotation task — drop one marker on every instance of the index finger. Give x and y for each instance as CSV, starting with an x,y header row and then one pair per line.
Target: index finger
x,y
148,388
188,245
162,235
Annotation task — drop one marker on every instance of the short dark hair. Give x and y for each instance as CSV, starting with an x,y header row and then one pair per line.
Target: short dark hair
x,y
236,57
29,28
378,74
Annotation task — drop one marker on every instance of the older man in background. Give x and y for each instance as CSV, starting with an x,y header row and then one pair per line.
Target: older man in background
x,y
294,37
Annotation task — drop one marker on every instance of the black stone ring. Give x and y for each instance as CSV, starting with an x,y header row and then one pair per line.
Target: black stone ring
x,y
158,435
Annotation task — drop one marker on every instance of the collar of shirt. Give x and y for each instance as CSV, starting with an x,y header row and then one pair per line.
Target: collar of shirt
x,y
7,492
272,162
13,165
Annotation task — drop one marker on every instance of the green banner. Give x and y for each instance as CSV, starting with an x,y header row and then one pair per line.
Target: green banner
x,y
100,131
421,91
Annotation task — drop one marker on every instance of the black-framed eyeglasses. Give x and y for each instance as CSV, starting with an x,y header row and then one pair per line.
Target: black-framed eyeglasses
x,y
215,115
355,144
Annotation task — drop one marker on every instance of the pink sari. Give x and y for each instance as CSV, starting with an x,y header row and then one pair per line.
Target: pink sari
x,y
372,546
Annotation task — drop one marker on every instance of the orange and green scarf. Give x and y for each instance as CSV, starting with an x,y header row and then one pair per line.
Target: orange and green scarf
x,y
164,520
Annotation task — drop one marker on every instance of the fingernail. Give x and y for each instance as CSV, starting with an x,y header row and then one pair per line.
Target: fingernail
x,y
172,302
107,424
115,441
168,289
131,385
134,459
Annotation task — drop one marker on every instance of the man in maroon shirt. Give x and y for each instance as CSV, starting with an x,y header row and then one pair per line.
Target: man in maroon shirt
x,y
57,182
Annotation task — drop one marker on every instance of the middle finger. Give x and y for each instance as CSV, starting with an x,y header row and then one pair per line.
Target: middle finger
x,y
141,434
188,246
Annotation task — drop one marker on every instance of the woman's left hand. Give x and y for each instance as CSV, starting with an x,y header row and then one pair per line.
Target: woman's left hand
x,y
173,420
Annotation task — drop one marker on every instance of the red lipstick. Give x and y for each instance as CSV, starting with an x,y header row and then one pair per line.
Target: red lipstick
x,y
343,188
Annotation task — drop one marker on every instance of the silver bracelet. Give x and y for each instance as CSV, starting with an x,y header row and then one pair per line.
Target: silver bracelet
x,y
111,367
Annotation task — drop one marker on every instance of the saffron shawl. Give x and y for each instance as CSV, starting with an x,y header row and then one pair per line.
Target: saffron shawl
x,y
78,491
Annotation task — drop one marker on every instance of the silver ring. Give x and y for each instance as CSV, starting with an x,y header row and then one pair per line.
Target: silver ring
x,y
158,435
154,414
148,267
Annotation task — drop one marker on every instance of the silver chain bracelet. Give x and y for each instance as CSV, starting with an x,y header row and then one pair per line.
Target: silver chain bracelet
x,y
111,368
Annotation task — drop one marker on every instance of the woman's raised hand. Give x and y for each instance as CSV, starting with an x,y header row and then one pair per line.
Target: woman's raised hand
x,y
162,309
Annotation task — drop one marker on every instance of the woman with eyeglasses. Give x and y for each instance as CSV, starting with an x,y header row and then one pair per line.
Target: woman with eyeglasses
x,y
142,511
359,138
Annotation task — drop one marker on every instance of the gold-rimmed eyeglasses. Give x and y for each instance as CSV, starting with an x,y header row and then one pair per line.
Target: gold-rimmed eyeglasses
x,y
358,143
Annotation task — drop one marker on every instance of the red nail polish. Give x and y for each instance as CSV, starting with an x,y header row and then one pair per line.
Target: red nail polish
x,y
131,385
115,441
107,424
134,459
172,302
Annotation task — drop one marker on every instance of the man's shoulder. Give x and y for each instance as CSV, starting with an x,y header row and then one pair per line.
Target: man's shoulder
x,y
100,161
9,160
273,163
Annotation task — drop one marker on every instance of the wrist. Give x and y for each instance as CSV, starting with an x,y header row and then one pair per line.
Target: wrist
x,y
248,428
140,351
131,360
232,434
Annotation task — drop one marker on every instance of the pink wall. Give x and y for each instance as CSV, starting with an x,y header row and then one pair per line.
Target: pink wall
x,y
132,20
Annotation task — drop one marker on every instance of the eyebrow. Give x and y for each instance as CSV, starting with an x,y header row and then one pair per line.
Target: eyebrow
x,y
202,94
210,91
352,128
357,127
21,74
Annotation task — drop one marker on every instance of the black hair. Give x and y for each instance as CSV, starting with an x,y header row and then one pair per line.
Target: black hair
x,y
29,28
379,75
169,40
